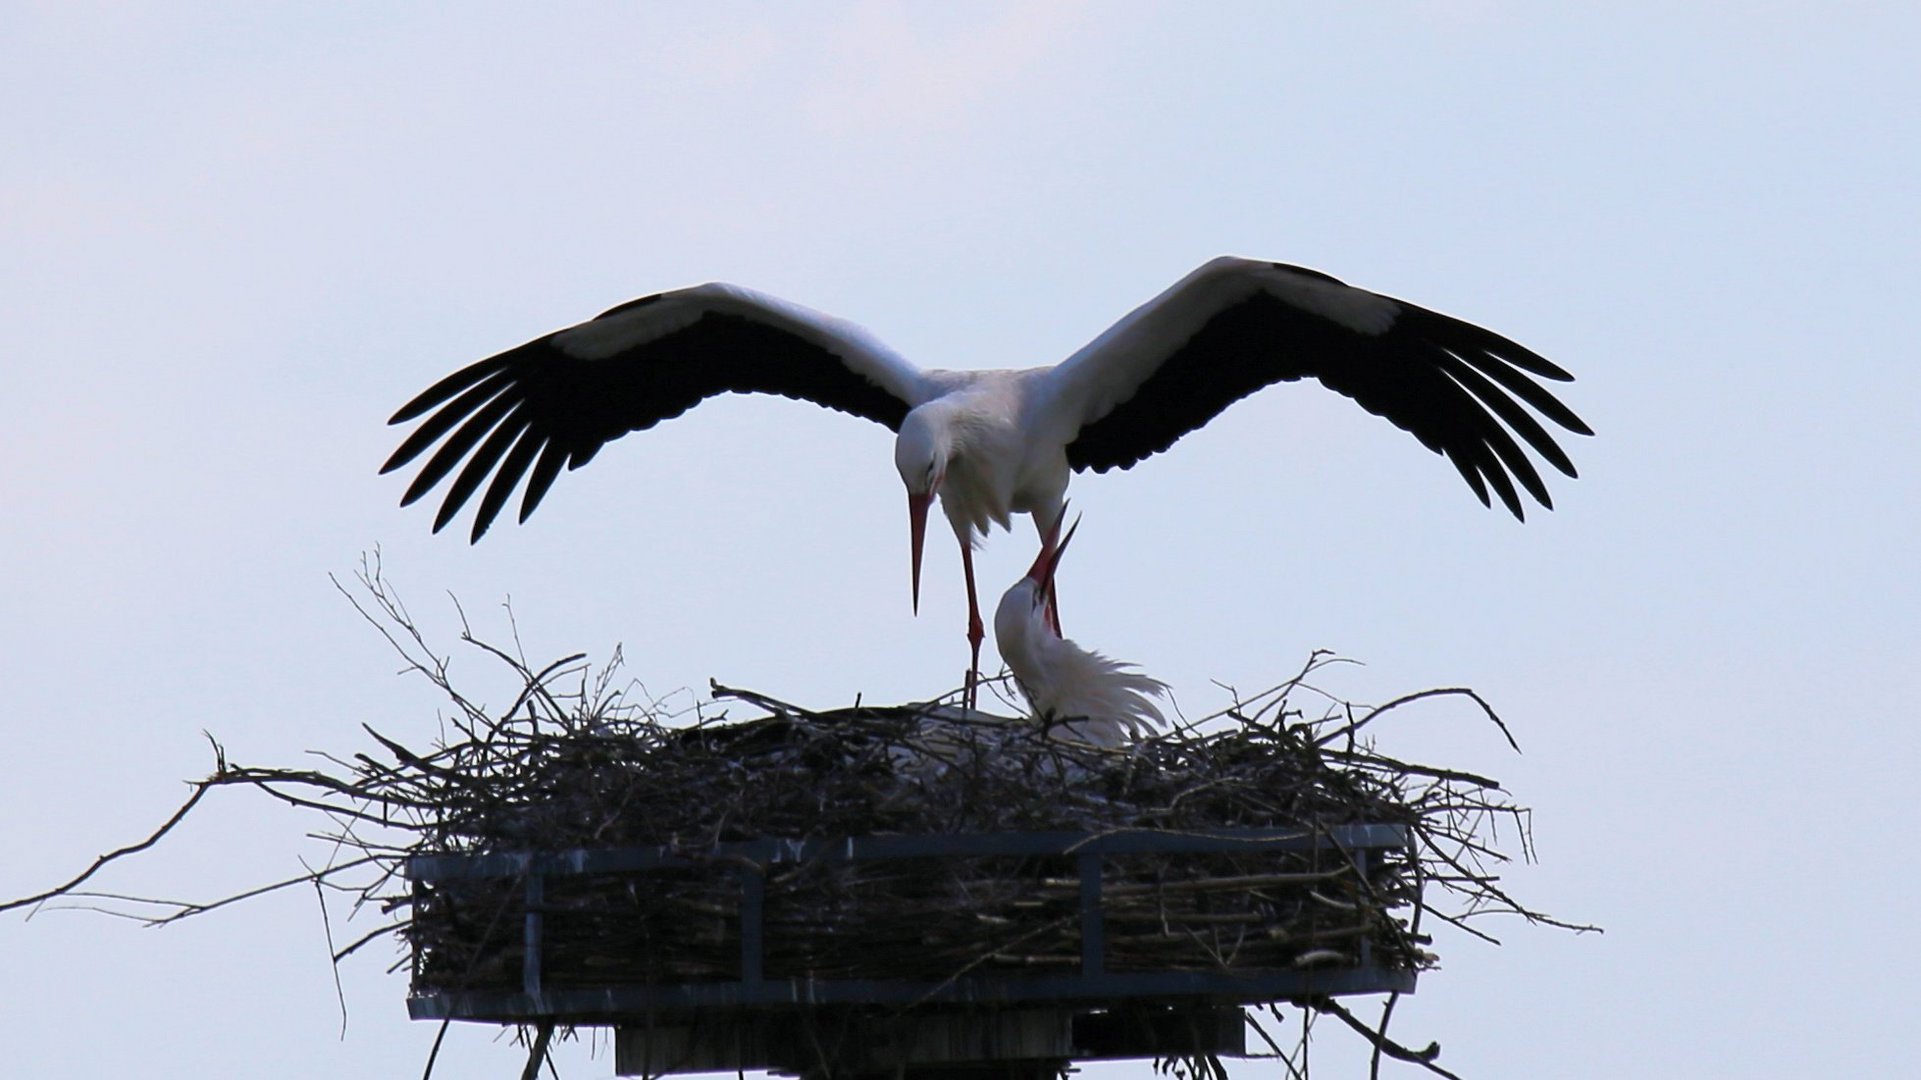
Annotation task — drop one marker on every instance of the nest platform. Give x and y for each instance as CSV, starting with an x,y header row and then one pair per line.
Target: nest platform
x,y
722,958
951,888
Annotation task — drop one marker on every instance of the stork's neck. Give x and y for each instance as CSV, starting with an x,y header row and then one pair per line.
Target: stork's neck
x,y
1022,635
925,443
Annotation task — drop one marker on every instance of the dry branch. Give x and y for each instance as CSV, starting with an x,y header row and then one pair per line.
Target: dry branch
x,y
573,763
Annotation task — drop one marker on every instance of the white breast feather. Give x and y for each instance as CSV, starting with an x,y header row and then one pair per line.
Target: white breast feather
x,y
1092,697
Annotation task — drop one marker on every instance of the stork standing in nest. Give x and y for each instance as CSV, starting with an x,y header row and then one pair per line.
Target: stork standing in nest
x,y
991,444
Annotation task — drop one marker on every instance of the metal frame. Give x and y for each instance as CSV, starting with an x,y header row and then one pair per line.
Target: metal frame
x,y
751,860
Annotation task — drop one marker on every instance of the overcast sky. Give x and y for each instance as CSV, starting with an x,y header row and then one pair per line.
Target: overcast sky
x,y
233,238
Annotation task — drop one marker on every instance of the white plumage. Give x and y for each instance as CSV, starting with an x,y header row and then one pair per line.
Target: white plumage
x,y
1080,694
996,443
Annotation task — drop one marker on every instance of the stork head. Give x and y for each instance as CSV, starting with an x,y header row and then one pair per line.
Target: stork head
x,y
920,454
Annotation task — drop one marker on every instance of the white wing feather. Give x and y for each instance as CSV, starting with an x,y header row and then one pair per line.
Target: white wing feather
x,y
1110,369
863,353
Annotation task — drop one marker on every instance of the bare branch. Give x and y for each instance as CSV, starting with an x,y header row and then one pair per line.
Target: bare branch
x,y
199,790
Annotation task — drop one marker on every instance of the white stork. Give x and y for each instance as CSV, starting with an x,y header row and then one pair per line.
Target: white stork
x,y
992,443
1078,693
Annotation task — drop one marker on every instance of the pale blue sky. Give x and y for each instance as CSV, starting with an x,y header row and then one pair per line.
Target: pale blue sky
x,y
233,238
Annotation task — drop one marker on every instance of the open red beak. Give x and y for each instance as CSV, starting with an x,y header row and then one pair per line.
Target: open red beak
x,y
917,505
1049,561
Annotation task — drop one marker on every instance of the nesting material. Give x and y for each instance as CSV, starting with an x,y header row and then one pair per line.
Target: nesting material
x,y
573,769
915,771
571,763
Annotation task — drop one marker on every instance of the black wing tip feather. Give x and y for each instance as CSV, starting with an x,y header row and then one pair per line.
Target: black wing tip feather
x,y
1512,352
552,457
447,388
1501,470
1517,381
479,529
479,422
448,509
495,455
413,493
1489,380
1462,333
1489,482
1501,481
509,468
1472,474
480,396
1548,369
1518,419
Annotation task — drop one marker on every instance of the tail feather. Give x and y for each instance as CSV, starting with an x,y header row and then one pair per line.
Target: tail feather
x,y
1102,700
1079,693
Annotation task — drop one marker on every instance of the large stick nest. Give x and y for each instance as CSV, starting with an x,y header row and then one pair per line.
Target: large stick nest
x,y
594,778
575,761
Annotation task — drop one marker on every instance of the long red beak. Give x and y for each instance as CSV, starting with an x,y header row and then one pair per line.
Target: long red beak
x,y
917,505
1049,561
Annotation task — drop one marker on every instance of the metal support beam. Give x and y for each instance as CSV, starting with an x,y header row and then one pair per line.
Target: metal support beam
x,y
530,957
753,950
1092,985
1093,932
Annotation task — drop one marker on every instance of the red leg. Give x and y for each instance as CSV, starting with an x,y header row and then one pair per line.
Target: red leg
x,y
975,631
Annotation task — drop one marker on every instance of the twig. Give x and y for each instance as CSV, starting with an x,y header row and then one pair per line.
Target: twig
x,y
538,1052
199,789
326,924
1423,1057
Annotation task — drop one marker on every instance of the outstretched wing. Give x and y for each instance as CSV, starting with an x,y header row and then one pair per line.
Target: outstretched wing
x,y
558,399
1234,326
